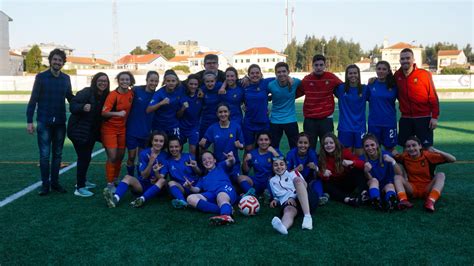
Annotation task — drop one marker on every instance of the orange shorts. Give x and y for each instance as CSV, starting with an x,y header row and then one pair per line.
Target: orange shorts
x,y
420,190
113,139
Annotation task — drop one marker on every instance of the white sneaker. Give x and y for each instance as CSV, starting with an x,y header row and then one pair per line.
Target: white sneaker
x,y
90,185
111,187
307,222
278,225
83,192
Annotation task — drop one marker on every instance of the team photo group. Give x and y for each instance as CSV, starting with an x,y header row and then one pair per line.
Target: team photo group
x,y
232,129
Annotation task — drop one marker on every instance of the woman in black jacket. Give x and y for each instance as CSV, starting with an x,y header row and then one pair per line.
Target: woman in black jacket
x,y
84,127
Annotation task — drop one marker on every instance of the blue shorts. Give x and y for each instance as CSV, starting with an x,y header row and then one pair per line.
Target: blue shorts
x,y
211,196
259,185
384,182
351,139
146,184
189,135
250,131
134,142
387,136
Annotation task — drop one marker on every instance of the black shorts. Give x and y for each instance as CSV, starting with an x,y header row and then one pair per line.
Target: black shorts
x,y
286,204
419,127
317,128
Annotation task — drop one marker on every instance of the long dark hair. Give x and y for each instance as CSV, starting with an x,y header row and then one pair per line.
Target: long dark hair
x,y
390,79
370,136
346,83
95,89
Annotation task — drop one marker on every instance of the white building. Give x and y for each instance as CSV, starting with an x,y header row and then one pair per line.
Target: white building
x,y
364,64
451,57
4,44
46,48
76,62
16,64
143,62
265,57
391,54
196,62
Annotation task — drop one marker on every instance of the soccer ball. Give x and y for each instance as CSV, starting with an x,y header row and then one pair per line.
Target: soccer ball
x,y
249,205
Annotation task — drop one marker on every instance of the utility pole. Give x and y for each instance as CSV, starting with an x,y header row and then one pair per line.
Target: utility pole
x,y
115,37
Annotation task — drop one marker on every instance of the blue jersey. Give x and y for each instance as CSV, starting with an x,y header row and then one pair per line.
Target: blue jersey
x,y
224,139
215,180
262,165
351,109
382,105
384,174
256,102
165,117
192,114
283,102
293,160
210,102
138,121
178,170
234,98
144,158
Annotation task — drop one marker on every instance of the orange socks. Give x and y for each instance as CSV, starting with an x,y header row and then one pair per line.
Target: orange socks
x,y
434,195
402,196
109,172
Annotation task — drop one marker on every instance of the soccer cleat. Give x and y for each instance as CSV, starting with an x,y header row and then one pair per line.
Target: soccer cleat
x,y
112,187
58,188
278,225
364,197
83,192
376,204
221,220
392,203
307,223
250,192
90,185
179,204
354,202
138,202
43,191
324,199
429,205
110,198
404,204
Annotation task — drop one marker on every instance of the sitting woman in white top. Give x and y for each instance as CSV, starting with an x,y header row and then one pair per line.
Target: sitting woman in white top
x,y
289,190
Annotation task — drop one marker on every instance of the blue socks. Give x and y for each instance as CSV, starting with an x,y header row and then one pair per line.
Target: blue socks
x,y
226,209
245,186
176,193
121,189
388,194
374,193
151,192
206,206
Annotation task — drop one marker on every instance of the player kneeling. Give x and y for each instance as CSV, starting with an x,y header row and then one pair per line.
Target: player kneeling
x,y
290,192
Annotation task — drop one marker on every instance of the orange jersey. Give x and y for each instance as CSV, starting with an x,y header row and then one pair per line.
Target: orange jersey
x,y
421,169
117,102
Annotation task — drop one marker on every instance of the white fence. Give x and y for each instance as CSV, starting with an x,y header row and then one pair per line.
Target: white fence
x,y
25,83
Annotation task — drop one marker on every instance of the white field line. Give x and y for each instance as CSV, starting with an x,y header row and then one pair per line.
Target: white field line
x,y
34,186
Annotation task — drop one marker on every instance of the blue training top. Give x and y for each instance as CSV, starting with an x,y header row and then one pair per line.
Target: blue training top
x,y
256,103
293,160
234,98
177,169
138,121
224,139
382,110
143,160
190,118
283,102
209,105
215,180
262,165
383,174
351,109
165,117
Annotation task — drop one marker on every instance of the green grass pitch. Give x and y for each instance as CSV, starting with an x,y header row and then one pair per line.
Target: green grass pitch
x,y
67,230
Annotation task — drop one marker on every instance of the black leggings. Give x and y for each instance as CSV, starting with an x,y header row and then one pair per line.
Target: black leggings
x,y
353,182
84,152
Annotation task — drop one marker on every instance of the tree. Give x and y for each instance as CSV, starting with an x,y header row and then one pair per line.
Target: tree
x,y
468,52
139,51
157,46
184,69
33,60
453,70
291,51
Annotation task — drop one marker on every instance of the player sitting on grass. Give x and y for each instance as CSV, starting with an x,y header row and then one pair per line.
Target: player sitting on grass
x,y
151,179
181,167
290,192
214,191
422,181
379,170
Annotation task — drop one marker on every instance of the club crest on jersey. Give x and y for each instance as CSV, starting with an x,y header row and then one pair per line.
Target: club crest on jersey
x,y
327,82
231,135
235,96
258,88
216,136
269,160
415,80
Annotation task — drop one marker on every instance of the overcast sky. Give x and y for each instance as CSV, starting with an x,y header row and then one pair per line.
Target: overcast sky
x,y
232,26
